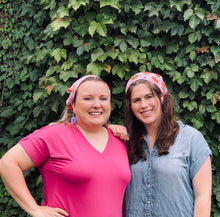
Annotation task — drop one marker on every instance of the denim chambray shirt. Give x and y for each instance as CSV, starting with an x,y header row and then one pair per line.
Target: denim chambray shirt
x,y
161,186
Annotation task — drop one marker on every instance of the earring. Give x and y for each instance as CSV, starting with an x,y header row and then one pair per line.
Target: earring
x,y
73,120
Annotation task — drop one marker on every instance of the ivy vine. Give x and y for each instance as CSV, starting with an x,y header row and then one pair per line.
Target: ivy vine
x,y
45,45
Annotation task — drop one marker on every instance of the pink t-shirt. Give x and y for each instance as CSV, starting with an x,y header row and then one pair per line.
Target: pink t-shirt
x,y
76,177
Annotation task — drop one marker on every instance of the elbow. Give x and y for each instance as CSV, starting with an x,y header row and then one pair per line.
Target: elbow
x,y
5,166
1,166
2,162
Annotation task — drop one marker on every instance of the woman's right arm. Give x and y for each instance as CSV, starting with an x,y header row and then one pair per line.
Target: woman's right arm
x,y
12,165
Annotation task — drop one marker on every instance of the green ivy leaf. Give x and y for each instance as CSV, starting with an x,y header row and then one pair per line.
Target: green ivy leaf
x,y
190,48
58,53
187,14
60,22
37,110
123,46
123,57
67,64
195,83
62,12
183,94
50,71
120,70
177,4
132,29
96,54
48,4
75,4
14,128
19,120
118,89
136,6
172,47
192,55
142,68
6,43
8,112
202,109
190,105
192,37
169,66
194,21
132,41
67,38
112,54
153,9
95,68
211,108
216,116
215,50
66,75
144,43
76,42
198,123
208,76
194,67
80,50
178,77
209,95
112,3
200,13
39,94
217,24
133,55
99,27
174,29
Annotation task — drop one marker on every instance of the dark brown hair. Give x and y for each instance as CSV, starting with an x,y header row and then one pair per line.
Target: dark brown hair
x,y
167,130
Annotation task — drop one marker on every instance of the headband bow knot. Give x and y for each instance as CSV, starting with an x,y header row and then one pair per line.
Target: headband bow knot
x,y
148,76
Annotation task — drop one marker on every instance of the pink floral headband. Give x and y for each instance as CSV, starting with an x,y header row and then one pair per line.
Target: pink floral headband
x,y
148,76
72,90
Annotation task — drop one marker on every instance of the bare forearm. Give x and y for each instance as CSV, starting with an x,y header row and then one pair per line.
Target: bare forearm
x,y
202,207
14,181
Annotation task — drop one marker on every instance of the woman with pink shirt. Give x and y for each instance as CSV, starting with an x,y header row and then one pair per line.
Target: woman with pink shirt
x,y
84,168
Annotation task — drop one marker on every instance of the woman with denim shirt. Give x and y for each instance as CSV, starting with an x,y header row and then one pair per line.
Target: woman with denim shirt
x,y
169,160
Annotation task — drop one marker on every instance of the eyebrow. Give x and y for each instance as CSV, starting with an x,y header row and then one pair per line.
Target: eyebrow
x,y
91,95
148,94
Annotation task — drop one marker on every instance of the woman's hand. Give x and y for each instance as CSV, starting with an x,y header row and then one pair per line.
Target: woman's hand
x,y
46,211
12,165
119,131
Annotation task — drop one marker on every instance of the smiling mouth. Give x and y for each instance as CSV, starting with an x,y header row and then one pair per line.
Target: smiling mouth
x,y
146,112
95,113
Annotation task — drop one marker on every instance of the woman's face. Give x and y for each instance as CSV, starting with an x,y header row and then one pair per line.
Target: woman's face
x,y
146,106
92,106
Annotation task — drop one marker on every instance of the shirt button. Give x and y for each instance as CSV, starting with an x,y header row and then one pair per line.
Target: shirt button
x,y
148,186
148,201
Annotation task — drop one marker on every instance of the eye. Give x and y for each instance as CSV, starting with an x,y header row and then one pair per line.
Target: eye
x,y
87,98
149,96
135,100
103,98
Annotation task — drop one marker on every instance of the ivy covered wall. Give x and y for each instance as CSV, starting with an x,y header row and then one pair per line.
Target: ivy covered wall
x,y
45,45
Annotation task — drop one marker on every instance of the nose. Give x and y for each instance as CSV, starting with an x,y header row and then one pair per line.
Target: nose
x,y
143,103
96,103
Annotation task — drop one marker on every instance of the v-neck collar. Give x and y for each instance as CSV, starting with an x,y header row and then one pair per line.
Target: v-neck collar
x,y
93,149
